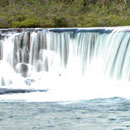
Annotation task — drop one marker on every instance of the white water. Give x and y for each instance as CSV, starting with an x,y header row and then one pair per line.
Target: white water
x,y
72,65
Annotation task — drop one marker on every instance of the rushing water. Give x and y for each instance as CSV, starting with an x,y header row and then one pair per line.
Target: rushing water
x,y
67,64
65,79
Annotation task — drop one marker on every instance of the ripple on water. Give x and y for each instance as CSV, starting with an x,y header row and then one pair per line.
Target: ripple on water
x,y
119,129
125,119
127,126
78,118
112,119
50,126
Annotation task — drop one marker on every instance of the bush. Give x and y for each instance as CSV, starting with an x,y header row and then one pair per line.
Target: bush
x,y
26,23
3,22
60,22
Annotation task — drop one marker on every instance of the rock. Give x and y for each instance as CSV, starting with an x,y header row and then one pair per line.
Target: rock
x,y
16,91
24,69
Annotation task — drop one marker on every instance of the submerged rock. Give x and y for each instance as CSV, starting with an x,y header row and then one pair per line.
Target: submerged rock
x,y
29,82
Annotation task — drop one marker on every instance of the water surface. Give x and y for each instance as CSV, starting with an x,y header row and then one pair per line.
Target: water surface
x,y
97,114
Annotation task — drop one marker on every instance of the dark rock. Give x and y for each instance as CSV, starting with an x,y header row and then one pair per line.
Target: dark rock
x,y
14,91
24,69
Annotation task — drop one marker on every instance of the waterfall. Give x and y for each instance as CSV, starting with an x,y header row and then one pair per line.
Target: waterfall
x,y
97,52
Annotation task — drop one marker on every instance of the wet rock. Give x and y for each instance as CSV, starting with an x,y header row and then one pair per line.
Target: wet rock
x,y
19,30
4,91
24,69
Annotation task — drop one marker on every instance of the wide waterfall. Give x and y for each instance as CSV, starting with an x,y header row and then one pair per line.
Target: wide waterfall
x,y
75,63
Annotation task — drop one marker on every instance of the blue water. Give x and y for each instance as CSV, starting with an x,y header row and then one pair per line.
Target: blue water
x,y
96,114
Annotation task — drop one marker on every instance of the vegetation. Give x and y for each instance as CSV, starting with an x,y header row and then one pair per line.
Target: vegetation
x,y
64,13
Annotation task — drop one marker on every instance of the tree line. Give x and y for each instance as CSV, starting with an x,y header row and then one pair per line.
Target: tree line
x,y
85,2
64,13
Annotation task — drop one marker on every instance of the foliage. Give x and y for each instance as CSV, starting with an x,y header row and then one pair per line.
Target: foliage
x,y
64,13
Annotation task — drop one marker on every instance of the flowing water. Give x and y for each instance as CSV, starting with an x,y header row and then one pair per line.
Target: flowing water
x,y
65,79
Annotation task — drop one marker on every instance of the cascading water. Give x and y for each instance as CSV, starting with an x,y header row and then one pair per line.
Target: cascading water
x,y
73,64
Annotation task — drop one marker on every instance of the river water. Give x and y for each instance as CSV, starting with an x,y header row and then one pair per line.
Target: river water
x,y
96,114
